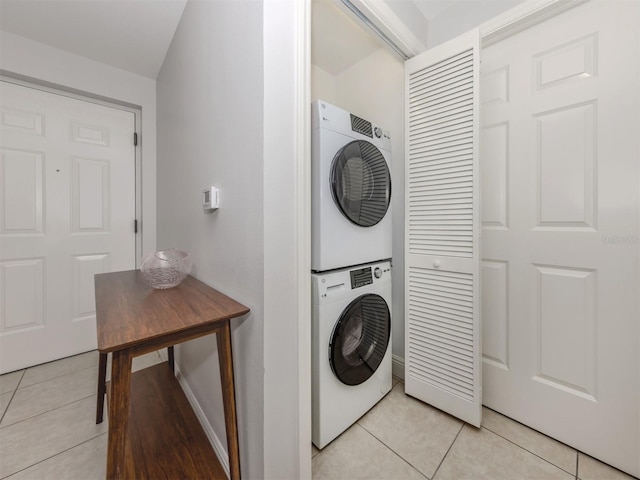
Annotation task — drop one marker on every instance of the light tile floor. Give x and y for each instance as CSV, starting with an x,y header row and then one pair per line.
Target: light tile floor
x,y
47,420
402,438
48,431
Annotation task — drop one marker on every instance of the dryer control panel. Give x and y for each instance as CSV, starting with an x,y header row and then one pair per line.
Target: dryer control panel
x,y
325,115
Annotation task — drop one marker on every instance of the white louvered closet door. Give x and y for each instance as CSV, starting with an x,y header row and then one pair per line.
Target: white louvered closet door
x,y
442,254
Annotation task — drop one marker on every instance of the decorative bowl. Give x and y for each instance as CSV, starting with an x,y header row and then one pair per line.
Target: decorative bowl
x,y
165,268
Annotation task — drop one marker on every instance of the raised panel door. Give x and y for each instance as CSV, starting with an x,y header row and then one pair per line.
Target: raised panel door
x,y
561,249
67,207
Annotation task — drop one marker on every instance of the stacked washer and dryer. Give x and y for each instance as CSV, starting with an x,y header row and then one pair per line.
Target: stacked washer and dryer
x,y
351,269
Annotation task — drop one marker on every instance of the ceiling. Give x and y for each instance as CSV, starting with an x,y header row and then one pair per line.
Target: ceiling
x,y
134,35
337,42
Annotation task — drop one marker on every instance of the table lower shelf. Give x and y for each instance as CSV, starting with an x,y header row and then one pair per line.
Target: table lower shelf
x,y
164,437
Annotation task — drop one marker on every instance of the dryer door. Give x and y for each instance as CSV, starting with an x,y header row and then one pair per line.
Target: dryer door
x,y
360,339
361,183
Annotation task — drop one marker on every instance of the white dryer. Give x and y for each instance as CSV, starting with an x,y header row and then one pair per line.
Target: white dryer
x,y
351,346
350,188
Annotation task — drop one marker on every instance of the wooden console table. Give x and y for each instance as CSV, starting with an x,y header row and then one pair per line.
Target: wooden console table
x,y
134,319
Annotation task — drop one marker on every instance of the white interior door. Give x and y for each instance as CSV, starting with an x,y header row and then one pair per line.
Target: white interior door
x,y
442,330
67,211
560,213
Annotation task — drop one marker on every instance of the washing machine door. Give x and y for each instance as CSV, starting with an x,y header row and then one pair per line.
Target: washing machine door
x,y
361,183
360,339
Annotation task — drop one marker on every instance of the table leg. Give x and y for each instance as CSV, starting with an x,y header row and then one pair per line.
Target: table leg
x,y
119,412
225,357
172,362
102,387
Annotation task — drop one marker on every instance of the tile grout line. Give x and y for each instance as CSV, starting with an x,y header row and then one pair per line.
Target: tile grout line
x,y
393,451
448,450
577,464
57,376
41,413
533,453
24,372
580,452
11,399
39,383
534,430
53,456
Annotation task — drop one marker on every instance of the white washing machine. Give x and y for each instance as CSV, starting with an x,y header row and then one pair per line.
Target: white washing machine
x,y
350,188
351,346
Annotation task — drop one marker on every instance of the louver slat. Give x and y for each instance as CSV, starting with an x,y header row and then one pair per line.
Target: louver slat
x,y
446,300
442,349
428,135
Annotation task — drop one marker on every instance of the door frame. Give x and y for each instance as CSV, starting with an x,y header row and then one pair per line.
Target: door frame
x,y
381,21
502,26
86,97
521,17
287,152
518,18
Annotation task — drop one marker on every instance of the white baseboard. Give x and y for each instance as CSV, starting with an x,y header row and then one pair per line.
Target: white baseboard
x,y
217,445
397,366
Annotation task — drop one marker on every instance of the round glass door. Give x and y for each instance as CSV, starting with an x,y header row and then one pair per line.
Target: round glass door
x,y
361,183
360,339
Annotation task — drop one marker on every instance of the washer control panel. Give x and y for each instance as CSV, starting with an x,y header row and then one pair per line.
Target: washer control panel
x,y
345,282
361,277
367,275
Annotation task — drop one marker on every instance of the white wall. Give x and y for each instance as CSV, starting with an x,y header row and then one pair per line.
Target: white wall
x,y
20,56
210,132
373,89
227,98
323,85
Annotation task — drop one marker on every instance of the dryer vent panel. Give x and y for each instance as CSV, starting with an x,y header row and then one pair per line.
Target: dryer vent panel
x,y
360,125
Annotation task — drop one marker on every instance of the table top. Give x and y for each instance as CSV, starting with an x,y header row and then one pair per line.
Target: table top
x,y
129,312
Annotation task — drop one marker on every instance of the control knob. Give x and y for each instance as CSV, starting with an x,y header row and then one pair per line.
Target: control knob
x,y
377,272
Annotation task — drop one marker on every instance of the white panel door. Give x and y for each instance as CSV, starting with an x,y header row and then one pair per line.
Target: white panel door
x,y
560,213
442,327
67,208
